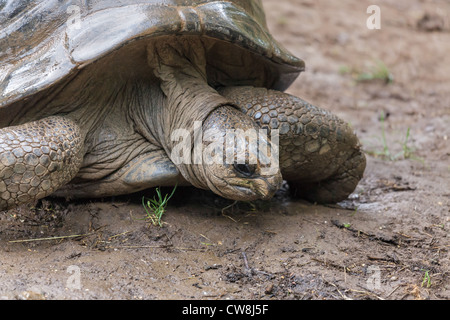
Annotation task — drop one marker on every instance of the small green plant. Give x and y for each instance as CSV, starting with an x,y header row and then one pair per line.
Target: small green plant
x,y
386,151
426,279
379,71
345,69
406,151
156,207
282,21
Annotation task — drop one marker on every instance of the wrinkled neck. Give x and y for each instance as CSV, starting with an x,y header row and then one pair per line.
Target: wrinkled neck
x,y
187,99
187,106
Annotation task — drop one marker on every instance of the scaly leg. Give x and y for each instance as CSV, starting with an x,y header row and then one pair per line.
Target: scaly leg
x,y
37,158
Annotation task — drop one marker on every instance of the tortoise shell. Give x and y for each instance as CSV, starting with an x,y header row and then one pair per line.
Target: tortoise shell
x,y
43,42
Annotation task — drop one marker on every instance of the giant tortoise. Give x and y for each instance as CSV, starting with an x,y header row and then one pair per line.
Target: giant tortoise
x,y
102,98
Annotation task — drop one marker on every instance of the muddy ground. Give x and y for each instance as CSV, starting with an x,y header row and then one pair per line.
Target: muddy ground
x,y
389,240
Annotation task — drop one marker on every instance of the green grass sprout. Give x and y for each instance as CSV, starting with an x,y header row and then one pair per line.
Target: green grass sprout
x,y
156,207
426,279
406,152
378,71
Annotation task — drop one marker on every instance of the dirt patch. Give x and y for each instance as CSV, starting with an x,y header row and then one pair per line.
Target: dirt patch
x,y
389,240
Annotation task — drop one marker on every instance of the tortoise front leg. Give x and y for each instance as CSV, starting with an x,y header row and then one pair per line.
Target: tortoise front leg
x,y
320,156
37,158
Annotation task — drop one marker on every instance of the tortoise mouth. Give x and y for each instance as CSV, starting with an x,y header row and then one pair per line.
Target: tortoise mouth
x,y
256,188
255,193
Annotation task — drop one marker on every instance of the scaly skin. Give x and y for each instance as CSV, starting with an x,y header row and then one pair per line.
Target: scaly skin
x,y
37,158
320,156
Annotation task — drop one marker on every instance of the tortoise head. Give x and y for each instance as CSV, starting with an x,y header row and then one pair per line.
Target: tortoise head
x,y
236,162
229,155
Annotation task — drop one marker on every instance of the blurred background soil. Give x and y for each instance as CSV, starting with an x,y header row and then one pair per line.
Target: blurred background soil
x,y
389,240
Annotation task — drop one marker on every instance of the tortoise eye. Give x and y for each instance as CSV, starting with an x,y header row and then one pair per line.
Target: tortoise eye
x,y
245,169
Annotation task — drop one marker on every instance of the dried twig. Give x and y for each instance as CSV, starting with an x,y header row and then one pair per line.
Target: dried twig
x,y
245,261
52,238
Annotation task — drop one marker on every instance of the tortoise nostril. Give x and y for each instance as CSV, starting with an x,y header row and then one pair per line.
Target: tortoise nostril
x,y
245,169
